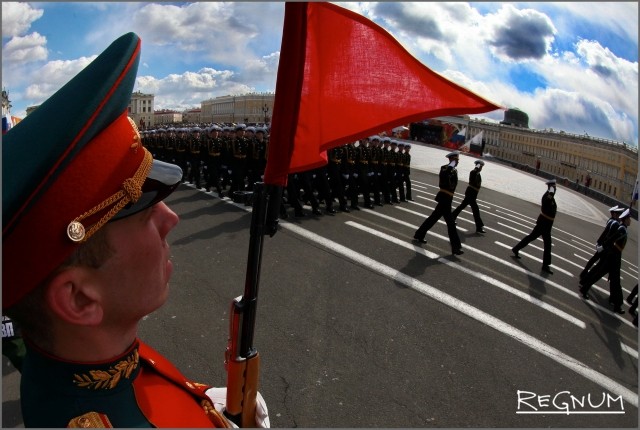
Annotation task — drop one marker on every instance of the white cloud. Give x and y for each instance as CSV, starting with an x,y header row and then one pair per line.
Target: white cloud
x,y
25,49
519,35
17,18
52,76
189,89
619,17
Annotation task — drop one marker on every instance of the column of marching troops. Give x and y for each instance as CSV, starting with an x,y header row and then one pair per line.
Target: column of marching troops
x,y
232,158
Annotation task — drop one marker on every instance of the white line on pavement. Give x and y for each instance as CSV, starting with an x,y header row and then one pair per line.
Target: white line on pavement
x,y
511,265
481,276
483,317
632,352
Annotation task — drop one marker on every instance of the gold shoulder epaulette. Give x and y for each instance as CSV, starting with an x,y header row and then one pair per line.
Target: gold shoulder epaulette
x,y
90,420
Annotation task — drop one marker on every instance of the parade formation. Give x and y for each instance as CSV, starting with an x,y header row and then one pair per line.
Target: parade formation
x,y
231,158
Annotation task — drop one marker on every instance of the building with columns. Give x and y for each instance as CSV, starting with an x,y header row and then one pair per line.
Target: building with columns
x,y
605,166
253,108
141,109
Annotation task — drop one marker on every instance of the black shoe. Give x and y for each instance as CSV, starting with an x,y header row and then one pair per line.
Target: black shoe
x,y
458,252
584,294
515,253
299,214
419,239
480,230
316,211
619,310
403,200
355,208
547,269
629,300
344,209
379,204
331,211
369,206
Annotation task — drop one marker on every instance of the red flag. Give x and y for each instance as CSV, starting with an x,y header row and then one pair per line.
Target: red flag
x,y
341,77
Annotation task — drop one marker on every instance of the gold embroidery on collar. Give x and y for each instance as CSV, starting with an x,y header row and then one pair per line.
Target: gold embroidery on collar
x,y
108,379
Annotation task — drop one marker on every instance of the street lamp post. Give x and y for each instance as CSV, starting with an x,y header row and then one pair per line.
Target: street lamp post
x,y
265,110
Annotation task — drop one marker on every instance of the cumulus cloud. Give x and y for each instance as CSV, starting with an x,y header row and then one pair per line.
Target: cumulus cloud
x,y
520,34
605,63
24,49
577,112
17,18
189,89
412,20
51,77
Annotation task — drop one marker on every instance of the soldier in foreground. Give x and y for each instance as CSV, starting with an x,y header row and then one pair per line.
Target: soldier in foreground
x,y
544,224
448,181
610,227
610,264
89,195
470,196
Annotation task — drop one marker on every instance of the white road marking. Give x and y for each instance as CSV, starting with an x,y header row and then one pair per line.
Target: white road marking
x,y
483,317
481,276
511,265
632,352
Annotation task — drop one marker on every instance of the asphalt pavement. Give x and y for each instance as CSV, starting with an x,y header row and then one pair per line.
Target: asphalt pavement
x,y
358,326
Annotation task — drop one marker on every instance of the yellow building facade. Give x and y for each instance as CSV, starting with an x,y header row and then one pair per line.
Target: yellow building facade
x,y
253,108
603,165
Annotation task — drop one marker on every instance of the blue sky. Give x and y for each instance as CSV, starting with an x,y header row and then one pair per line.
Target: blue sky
x,y
570,66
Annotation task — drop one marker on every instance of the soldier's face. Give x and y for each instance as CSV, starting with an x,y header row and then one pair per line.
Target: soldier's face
x,y
135,279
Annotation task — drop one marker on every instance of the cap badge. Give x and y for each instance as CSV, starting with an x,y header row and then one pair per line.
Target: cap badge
x,y
75,231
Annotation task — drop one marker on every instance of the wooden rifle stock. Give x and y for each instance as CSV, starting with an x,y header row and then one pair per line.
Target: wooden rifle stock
x,y
242,360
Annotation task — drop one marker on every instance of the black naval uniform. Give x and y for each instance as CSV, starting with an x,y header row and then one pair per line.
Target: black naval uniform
x,y
448,183
610,228
609,263
543,227
470,196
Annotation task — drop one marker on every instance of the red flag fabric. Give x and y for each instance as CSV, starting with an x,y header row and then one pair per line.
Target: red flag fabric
x,y
341,77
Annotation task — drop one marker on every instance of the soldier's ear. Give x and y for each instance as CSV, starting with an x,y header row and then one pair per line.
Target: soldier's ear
x,y
73,299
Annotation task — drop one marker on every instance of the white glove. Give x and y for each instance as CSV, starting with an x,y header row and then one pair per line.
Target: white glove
x,y
599,248
218,396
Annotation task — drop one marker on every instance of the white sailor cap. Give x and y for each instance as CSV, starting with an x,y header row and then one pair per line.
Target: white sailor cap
x,y
551,182
480,162
625,214
453,154
613,208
